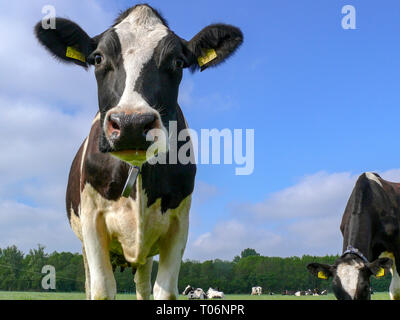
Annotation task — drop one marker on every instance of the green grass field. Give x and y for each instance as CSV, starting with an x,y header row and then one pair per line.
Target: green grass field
x,y
5,295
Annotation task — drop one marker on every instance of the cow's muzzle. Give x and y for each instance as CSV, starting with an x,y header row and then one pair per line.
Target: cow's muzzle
x,y
130,131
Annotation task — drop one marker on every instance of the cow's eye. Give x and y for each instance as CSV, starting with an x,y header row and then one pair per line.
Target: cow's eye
x,y
98,59
179,63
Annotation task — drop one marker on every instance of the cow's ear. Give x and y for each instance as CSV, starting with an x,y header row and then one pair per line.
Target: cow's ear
x,y
322,271
213,45
380,267
67,41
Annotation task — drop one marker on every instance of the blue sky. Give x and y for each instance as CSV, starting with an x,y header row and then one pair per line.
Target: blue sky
x,y
323,102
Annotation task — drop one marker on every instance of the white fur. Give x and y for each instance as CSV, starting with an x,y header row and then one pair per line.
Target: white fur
x,y
140,231
349,275
373,177
214,294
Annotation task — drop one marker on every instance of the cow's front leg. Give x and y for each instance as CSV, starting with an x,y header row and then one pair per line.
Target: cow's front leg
x,y
172,247
143,280
95,238
87,273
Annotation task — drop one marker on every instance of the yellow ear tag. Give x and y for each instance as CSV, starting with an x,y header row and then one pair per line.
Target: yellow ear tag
x,y
322,275
208,55
380,273
75,54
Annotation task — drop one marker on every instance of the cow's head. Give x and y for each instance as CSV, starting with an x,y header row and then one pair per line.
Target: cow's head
x,y
138,66
351,275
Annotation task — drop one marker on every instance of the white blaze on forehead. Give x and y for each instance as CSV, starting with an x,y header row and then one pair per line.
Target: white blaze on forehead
x,y
139,34
349,275
373,177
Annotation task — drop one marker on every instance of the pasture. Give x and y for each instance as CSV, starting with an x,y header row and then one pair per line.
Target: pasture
x,y
13,295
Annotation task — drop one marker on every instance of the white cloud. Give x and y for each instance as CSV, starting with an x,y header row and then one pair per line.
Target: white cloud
x,y
46,111
26,226
320,194
227,240
301,219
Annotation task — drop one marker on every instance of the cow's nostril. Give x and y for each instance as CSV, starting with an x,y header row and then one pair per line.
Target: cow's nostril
x,y
115,125
114,128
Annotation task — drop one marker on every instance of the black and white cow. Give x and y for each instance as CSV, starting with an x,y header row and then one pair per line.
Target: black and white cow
x,y
138,66
194,293
371,240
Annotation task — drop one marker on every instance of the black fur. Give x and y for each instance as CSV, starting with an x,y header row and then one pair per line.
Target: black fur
x,y
224,39
66,33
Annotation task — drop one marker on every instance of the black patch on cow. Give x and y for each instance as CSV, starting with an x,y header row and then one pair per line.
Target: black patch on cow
x,y
111,78
170,182
159,79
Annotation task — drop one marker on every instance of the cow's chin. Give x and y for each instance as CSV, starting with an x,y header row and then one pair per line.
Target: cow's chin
x,y
133,157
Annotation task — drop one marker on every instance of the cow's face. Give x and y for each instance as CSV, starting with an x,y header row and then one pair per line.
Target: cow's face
x,y
351,275
138,65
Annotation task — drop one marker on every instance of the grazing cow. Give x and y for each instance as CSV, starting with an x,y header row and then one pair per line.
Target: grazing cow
x,y
256,291
370,228
300,293
138,66
214,294
193,293
324,292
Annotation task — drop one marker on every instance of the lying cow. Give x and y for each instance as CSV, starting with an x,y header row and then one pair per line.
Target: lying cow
x,y
370,228
214,294
138,65
193,293
256,291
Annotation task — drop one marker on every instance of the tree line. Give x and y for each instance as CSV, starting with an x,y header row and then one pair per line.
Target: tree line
x,y
23,272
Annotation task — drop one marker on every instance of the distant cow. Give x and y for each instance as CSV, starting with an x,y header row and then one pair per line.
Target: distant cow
x,y
256,291
324,292
308,292
193,293
370,228
138,64
214,294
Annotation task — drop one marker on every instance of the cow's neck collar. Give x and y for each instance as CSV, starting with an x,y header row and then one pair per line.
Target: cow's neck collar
x,y
134,172
355,251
